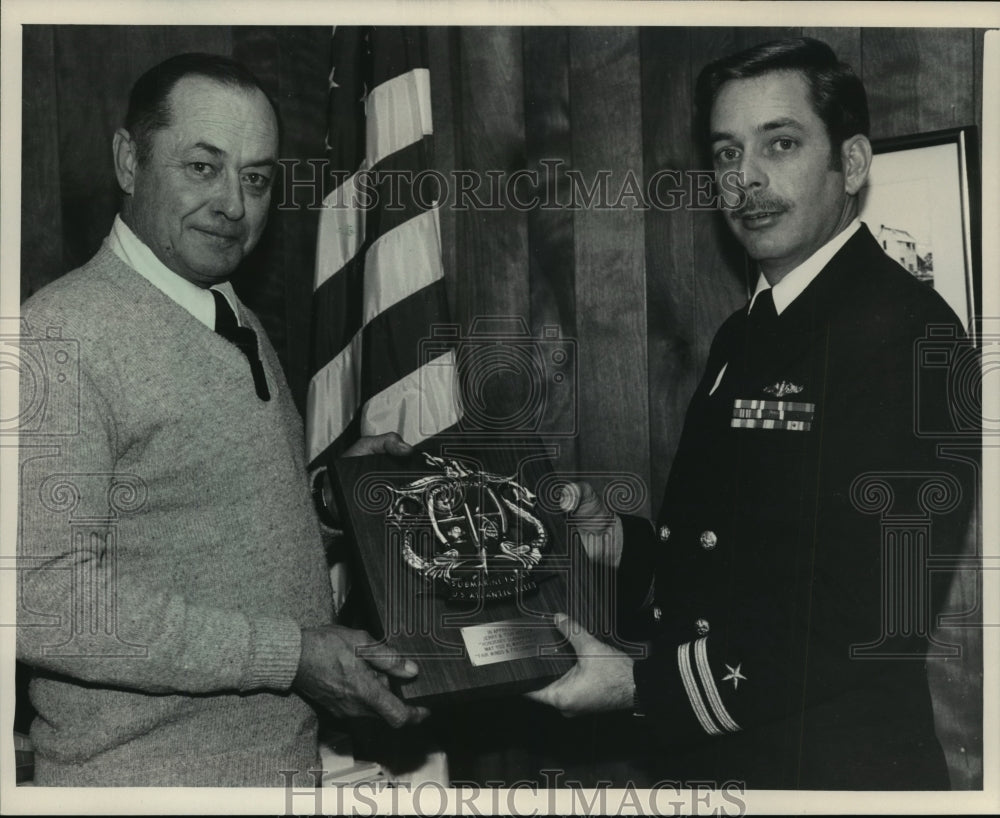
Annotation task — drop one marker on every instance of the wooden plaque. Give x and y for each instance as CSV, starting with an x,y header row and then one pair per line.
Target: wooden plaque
x,y
462,566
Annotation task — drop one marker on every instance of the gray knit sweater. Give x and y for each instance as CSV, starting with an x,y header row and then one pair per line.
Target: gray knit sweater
x,y
169,549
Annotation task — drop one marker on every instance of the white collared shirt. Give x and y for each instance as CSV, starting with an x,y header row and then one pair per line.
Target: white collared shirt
x,y
797,279
196,300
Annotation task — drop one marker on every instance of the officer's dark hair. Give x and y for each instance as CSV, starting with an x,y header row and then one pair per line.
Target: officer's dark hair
x,y
149,104
838,95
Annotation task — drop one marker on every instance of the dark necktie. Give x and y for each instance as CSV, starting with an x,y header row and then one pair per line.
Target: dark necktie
x,y
762,341
244,338
763,315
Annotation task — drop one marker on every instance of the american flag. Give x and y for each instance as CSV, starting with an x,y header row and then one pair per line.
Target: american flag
x,y
379,288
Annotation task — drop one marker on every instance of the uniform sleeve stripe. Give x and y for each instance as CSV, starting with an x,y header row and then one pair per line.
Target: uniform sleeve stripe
x,y
711,690
693,694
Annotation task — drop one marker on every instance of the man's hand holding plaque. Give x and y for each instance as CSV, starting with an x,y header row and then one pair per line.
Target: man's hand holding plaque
x,y
323,495
600,681
600,529
389,443
333,675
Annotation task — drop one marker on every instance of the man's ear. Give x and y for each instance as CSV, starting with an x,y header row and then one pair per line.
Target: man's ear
x,y
126,160
856,159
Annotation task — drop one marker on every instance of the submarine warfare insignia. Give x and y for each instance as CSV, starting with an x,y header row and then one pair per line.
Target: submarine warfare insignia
x,y
782,388
470,533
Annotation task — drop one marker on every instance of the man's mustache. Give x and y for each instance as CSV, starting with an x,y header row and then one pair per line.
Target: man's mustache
x,y
755,204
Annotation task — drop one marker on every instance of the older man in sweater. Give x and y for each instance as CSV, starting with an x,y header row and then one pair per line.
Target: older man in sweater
x,y
174,602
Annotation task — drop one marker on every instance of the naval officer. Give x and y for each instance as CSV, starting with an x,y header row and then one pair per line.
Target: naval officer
x,y
759,589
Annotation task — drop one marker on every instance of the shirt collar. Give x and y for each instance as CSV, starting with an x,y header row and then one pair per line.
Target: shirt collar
x,y
796,280
136,254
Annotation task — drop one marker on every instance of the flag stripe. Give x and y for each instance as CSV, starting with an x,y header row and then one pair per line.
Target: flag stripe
x,y
341,231
378,287
393,194
399,114
333,398
344,234
372,361
336,315
418,406
394,341
401,262
395,269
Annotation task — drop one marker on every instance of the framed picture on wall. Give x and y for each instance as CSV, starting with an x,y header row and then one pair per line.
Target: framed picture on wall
x,y
921,204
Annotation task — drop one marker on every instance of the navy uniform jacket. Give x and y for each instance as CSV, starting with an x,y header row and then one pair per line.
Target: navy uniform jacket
x,y
769,567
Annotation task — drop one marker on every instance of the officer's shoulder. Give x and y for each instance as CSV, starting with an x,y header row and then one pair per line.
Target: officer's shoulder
x,y
894,301
733,323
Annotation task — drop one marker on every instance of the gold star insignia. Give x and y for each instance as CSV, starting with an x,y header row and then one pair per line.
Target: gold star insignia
x,y
734,675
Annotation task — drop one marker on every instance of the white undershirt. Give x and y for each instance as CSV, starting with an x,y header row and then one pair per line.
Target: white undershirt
x,y
797,279
196,300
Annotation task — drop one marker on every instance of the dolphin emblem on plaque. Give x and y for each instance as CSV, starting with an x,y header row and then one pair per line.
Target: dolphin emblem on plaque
x,y
471,534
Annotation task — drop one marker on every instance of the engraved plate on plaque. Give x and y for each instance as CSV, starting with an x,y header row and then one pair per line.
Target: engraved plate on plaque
x,y
508,640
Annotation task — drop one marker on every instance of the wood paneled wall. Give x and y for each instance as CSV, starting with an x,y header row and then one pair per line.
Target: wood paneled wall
x,y
639,293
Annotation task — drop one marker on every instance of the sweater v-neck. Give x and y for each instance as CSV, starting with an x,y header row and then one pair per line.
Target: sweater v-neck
x,y
176,320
